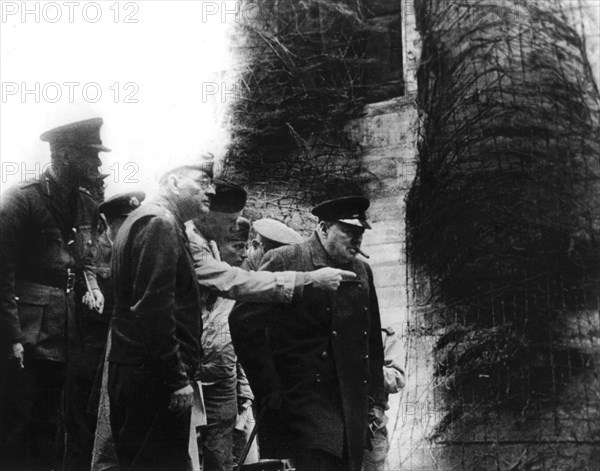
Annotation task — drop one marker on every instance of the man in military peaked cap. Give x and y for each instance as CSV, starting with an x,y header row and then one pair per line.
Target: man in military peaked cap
x,y
318,379
207,234
118,207
48,227
83,134
350,210
233,247
225,207
80,420
270,234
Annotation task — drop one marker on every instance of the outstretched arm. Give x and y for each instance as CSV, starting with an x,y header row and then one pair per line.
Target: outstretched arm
x,y
272,285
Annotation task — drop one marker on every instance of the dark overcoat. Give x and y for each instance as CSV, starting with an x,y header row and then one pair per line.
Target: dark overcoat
x,y
323,353
156,319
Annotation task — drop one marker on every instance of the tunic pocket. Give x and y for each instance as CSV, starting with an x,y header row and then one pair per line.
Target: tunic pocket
x,y
32,299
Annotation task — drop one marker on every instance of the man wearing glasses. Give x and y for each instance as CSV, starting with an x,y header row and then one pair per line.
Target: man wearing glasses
x,y
156,325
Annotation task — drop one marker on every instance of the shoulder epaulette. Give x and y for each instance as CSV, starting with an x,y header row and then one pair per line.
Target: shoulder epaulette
x,y
28,183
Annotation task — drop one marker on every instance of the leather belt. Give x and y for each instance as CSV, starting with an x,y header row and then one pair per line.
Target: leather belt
x,y
63,279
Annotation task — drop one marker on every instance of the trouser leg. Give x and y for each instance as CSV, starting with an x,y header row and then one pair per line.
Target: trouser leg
x,y
217,445
147,435
374,460
319,460
31,406
79,422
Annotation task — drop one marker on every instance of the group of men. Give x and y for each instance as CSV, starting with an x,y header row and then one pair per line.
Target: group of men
x,y
127,329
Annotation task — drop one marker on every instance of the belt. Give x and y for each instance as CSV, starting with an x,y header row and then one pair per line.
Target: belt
x,y
63,279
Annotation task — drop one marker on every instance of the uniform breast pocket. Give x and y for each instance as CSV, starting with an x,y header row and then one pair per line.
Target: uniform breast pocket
x,y
33,300
85,248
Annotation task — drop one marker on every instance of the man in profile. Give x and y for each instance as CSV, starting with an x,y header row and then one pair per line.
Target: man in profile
x,y
318,379
48,228
156,326
270,234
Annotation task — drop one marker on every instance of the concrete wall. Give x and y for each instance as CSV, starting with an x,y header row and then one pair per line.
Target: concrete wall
x,y
388,135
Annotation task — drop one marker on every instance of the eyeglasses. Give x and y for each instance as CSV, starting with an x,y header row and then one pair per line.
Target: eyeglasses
x,y
203,181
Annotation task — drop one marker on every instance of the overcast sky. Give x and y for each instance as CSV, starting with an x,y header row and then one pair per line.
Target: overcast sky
x,y
150,68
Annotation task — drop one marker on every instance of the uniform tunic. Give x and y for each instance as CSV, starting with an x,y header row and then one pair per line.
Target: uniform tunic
x,y
47,238
44,231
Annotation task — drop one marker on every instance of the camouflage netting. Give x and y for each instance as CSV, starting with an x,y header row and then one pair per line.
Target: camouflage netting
x,y
504,215
305,72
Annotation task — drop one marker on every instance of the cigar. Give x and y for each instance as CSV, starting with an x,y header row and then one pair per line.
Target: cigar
x,y
89,288
362,253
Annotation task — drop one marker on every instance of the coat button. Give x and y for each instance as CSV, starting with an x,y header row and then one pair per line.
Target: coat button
x,y
324,355
334,333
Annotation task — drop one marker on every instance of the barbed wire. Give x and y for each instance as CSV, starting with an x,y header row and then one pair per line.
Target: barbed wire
x,y
504,215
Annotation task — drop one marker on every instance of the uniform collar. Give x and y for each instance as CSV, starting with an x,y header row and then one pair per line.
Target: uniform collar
x,y
317,251
50,184
190,226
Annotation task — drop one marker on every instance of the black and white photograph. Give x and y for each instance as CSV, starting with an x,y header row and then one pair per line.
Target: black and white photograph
x,y
300,235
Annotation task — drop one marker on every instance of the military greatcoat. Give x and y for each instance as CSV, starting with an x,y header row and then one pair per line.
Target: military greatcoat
x,y
324,357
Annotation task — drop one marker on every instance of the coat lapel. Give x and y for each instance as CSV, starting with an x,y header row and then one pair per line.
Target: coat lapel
x,y
320,259
317,252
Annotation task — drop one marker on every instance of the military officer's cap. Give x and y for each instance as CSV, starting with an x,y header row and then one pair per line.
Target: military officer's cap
x,y
277,232
198,161
242,230
80,134
229,197
122,204
349,210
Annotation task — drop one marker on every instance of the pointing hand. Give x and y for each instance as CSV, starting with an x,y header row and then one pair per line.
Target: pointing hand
x,y
330,278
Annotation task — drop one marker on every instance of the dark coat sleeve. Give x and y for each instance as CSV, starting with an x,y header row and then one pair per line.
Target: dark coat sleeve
x,y
376,356
248,324
13,217
154,251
